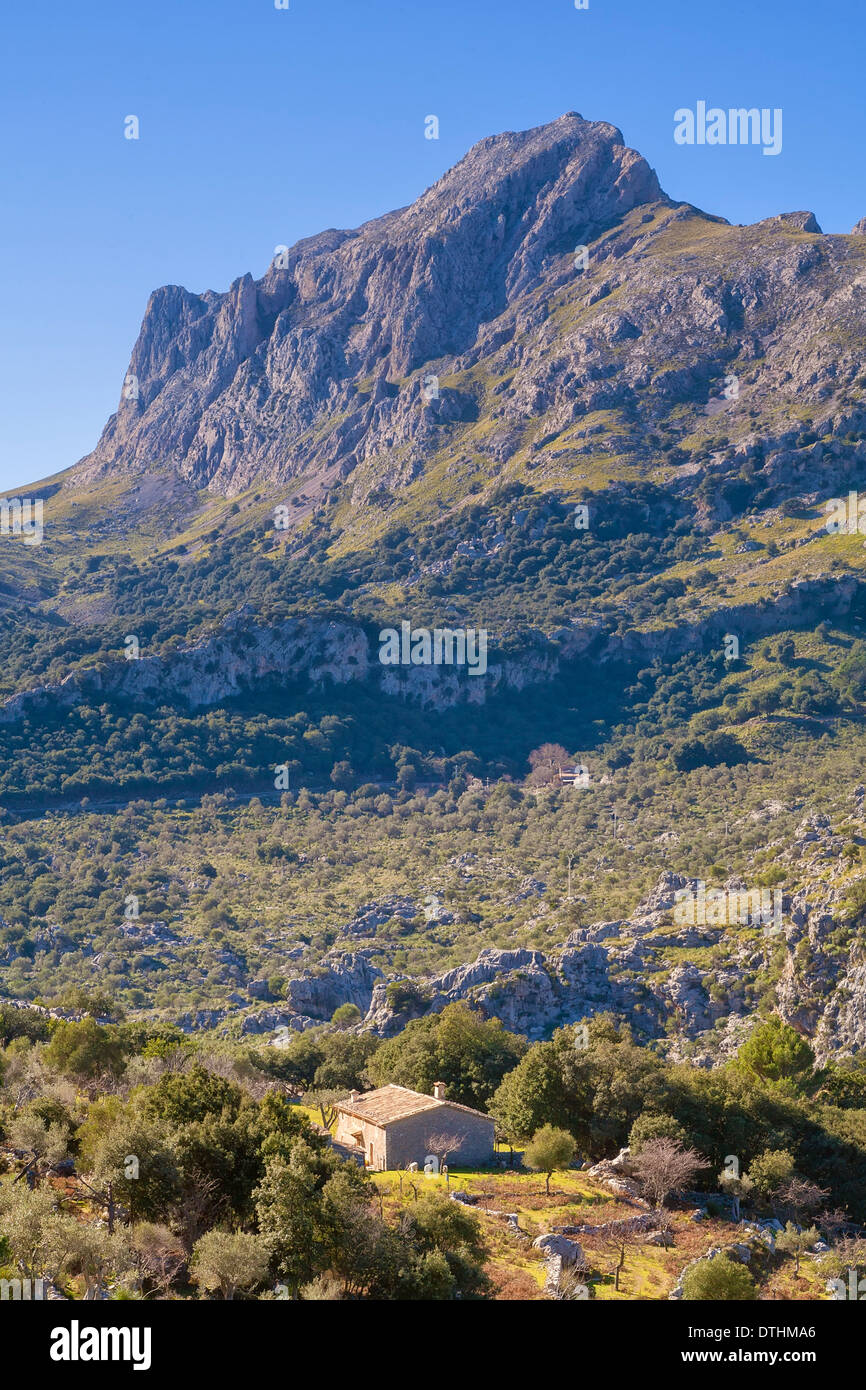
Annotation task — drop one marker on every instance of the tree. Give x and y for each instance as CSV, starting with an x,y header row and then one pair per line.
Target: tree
x,y
844,1083
156,1254
344,1061
280,1123
771,1170
297,1062
532,1094
48,1142
443,1252
720,1280
93,1252
183,1097
85,1050
230,1261
546,761
595,1092
618,1242
796,1241
287,1205
200,1203
95,1002
776,1053
132,1164
407,777
786,651
441,1144
227,1151
712,750
849,1253
468,1052
325,1101
798,1196
346,1015
549,1149
27,1219
342,775
738,1188
650,1125
21,1023
361,1250
663,1167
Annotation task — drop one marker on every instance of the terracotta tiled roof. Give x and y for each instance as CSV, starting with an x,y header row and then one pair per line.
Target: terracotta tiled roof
x,y
389,1103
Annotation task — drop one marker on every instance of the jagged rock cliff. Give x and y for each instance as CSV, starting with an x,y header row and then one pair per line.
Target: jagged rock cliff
x,y
264,379
325,362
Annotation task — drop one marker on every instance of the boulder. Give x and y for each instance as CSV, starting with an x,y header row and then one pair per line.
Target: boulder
x,y
560,1247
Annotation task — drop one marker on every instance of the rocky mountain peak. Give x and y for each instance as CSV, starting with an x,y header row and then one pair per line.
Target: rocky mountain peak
x,y
225,386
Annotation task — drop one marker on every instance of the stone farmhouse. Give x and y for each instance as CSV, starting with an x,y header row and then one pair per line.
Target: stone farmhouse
x,y
394,1127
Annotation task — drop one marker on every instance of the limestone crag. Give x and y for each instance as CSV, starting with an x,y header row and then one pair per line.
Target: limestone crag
x,y
301,367
244,654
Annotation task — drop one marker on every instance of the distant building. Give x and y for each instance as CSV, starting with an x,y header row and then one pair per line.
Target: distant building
x,y
395,1127
577,776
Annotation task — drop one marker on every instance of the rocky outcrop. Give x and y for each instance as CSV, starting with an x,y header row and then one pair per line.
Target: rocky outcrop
x,y
561,1255
620,968
242,655
617,1175
344,977
531,992
539,281
552,1243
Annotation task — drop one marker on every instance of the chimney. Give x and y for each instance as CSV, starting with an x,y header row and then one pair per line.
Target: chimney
x,y
438,1090
354,1097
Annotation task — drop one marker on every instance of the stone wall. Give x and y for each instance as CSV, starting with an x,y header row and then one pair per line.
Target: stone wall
x,y
373,1138
407,1140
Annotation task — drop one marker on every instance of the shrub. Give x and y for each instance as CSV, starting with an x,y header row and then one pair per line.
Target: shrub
x,y
721,1280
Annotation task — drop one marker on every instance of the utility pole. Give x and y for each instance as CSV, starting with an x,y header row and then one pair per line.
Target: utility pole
x,y
570,862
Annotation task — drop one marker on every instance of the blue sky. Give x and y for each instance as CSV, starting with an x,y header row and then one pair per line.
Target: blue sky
x,y
259,126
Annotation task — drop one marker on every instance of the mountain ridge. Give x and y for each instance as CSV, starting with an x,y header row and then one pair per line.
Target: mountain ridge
x,y
400,291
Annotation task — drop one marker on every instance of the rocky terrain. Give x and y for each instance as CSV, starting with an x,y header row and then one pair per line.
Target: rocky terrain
x,y
620,967
544,316
423,403
325,361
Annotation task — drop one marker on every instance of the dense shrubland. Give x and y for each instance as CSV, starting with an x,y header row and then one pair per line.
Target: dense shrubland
x,y
156,1167
244,889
